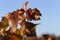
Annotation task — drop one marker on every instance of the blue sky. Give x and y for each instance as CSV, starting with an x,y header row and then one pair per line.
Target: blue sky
x,y
50,9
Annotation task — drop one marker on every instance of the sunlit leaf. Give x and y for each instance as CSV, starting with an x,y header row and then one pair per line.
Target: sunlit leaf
x,y
13,21
33,14
36,14
20,32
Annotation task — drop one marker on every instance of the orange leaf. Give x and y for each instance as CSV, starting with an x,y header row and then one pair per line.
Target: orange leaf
x,y
14,38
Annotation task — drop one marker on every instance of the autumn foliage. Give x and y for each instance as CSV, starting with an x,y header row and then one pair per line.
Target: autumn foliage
x,y
12,19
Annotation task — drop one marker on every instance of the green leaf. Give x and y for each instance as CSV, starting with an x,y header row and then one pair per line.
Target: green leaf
x,y
4,23
30,25
31,28
7,36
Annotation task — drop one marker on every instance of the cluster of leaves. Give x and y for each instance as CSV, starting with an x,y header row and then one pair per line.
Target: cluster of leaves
x,y
17,36
31,14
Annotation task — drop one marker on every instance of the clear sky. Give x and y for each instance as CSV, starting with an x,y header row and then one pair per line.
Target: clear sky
x,y
50,9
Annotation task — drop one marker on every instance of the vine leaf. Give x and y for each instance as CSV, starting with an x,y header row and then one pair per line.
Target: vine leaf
x,y
31,28
33,14
4,23
36,14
